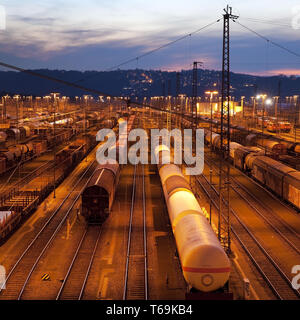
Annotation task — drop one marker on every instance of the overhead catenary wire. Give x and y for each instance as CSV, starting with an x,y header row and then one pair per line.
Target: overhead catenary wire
x,y
75,85
98,92
274,23
47,77
163,46
137,58
268,40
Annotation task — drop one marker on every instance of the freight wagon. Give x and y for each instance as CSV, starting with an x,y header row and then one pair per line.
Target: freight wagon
x,y
204,262
272,146
8,221
270,173
98,196
278,177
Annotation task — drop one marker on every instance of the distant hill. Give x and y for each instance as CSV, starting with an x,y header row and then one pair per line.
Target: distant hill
x,y
143,83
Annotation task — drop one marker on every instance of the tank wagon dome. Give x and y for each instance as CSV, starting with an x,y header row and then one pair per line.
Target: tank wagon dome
x,y
205,265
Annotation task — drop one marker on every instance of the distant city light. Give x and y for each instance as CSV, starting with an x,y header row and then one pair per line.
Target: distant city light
x,y
269,102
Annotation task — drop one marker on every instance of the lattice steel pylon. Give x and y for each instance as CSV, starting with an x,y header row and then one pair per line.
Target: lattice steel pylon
x,y
169,114
177,84
224,169
195,93
178,118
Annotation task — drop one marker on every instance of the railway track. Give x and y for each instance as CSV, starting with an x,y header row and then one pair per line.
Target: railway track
x,y
136,274
20,273
276,223
75,280
271,272
15,183
10,186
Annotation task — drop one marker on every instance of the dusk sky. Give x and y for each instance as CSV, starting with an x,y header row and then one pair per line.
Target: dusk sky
x,y
99,34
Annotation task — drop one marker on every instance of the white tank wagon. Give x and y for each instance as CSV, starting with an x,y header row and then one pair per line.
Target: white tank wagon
x,y
169,170
163,156
204,263
160,148
176,183
180,204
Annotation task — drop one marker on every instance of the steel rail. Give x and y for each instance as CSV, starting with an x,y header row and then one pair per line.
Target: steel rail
x,y
71,266
43,227
52,237
289,242
145,237
129,233
266,254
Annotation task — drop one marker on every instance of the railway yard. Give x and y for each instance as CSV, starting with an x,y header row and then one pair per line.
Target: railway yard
x,y
74,229
149,158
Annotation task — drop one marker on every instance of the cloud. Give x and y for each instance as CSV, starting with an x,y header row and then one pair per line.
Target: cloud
x,y
276,72
79,35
